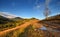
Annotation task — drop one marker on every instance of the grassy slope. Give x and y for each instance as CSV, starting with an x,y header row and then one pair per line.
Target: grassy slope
x,y
30,31
53,22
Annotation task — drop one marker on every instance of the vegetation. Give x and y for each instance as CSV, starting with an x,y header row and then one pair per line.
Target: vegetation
x,y
30,31
6,23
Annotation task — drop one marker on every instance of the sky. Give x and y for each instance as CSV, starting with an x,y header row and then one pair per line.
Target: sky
x,y
29,8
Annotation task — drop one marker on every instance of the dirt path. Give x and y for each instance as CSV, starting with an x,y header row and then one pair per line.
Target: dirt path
x,y
26,24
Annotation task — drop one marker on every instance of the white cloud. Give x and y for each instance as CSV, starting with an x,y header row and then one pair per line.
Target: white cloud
x,y
7,14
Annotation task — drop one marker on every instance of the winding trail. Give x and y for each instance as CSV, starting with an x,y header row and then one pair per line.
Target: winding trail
x,y
26,24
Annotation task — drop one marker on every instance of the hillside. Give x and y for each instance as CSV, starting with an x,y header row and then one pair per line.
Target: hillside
x,y
53,22
4,20
18,28
56,17
33,28
52,25
51,28
6,23
30,31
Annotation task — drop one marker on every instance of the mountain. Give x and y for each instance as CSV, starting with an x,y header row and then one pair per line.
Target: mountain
x,y
9,19
4,20
7,15
17,18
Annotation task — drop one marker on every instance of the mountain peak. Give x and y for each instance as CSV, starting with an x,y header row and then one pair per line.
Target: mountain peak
x,y
7,15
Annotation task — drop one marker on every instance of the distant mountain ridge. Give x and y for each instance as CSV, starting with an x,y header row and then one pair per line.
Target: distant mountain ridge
x,y
5,19
18,18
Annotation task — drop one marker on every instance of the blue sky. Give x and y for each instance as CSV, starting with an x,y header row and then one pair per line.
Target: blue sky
x,y
29,8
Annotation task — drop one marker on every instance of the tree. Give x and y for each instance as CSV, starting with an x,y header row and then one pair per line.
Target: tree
x,y
47,11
